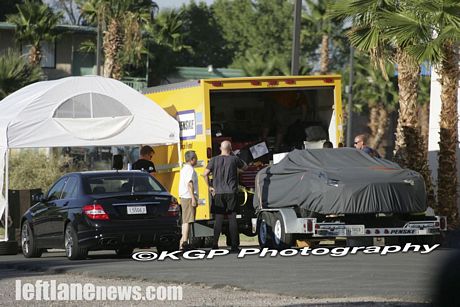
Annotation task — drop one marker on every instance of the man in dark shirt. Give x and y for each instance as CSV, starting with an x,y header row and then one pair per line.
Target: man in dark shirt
x,y
224,169
145,161
361,144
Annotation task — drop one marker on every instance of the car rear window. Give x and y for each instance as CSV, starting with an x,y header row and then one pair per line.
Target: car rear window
x,y
121,184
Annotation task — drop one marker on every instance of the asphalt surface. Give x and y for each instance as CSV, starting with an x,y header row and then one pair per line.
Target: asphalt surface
x,y
400,277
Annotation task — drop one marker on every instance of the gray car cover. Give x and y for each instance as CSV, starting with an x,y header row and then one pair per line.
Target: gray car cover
x,y
339,181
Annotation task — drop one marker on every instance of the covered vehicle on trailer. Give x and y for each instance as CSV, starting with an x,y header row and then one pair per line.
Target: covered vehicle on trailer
x,y
330,193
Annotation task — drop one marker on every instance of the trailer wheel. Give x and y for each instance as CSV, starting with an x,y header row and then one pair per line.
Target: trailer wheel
x,y
264,229
281,239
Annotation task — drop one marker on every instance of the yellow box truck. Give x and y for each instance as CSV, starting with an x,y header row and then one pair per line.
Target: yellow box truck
x,y
261,116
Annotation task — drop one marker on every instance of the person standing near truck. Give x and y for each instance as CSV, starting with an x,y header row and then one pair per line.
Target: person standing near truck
x,y
224,189
361,144
145,160
188,194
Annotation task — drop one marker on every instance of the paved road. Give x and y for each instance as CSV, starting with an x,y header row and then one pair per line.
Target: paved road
x,y
404,277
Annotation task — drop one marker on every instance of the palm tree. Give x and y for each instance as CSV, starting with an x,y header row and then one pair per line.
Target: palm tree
x,y
124,21
369,34
378,94
167,30
317,18
436,28
35,22
16,72
164,40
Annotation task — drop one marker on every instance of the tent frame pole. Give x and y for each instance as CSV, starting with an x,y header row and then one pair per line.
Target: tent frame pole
x,y
179,153
6,213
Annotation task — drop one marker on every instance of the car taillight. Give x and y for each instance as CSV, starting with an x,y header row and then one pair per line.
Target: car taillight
x,y
173,209
95,212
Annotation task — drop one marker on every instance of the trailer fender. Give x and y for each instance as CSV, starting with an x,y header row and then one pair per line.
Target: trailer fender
x,y
291,222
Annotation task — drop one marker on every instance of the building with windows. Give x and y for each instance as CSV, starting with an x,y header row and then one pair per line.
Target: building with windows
x,y
62,58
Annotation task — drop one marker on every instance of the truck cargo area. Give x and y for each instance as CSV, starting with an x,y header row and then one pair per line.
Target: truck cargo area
x,y
279,117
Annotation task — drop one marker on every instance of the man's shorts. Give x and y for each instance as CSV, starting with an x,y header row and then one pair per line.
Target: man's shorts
x,y
225,203
188,212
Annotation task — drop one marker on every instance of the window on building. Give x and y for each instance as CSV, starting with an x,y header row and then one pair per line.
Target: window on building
x,y
48,50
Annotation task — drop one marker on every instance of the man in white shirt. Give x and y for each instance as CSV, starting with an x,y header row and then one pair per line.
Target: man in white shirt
x,y
188,194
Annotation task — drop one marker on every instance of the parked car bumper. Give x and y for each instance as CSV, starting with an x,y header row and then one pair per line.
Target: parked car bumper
x,y
114,234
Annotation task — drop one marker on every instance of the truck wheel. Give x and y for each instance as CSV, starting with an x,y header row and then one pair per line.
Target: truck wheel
x,y
281,239
264,229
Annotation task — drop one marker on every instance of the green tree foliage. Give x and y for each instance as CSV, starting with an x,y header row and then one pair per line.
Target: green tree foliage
x,y
16,72
165,41
318,29
370,33
204,36
32,169
432,32
261,29
35,22
123,21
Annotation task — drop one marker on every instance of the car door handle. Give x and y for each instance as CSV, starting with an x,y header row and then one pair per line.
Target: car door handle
x,y
65,204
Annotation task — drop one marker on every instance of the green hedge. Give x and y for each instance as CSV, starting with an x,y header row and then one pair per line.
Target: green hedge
x,y
32,169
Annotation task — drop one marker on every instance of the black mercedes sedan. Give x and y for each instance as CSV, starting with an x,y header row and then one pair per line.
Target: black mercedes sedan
x,y
117,210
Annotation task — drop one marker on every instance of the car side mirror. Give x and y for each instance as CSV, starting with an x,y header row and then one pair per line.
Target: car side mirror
x,y
39,197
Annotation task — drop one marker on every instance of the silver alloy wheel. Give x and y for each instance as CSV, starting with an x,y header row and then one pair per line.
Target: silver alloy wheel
x,y
277,232
68,242
263,232
25,238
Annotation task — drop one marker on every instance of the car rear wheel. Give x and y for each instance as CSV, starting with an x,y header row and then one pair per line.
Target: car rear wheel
x,y
281,239
28,243
264,229
124,252
72,249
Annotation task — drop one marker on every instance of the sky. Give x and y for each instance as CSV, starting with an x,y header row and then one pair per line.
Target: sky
x,y
177,3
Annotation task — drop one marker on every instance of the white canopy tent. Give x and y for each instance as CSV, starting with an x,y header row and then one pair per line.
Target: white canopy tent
x,y
78,111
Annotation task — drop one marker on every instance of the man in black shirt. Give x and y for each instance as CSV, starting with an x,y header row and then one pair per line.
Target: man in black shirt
x,y
145,161
224,169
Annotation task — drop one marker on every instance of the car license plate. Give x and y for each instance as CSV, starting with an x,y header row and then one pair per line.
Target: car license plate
x,y
137,209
